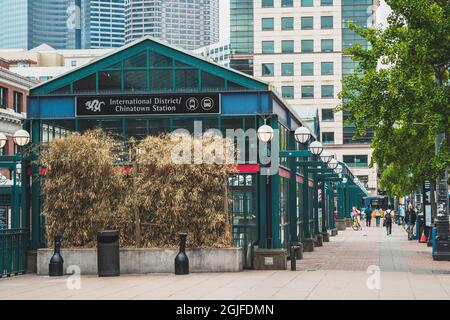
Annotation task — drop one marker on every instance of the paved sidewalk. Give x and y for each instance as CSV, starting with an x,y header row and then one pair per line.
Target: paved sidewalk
x,y
338,270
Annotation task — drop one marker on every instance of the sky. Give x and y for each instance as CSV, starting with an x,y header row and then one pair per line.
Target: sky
x,y
224,17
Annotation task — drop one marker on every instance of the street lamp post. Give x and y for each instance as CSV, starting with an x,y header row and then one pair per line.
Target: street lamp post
x,y
18,215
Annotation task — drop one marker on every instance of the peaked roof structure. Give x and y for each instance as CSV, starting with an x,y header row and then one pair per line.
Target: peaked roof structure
x,y
180,57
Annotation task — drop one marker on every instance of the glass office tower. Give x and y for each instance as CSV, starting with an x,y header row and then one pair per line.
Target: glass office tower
x,y
187,24
241,35
28,23
103,23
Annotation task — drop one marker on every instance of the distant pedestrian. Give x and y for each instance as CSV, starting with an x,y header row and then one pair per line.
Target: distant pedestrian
x,y
388,216
378,215
368,213
410,219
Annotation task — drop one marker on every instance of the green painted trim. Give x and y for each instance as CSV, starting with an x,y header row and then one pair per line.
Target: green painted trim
x,y
295,153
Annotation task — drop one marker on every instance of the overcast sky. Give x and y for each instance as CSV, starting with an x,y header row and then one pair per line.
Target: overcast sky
x,y
381,14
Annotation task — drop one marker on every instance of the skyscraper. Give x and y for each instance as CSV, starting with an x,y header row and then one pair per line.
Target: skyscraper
x,y
297,45
189,24
28,23
62,24
103,23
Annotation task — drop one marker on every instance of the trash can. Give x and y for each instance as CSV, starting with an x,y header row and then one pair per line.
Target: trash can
x,y
108,259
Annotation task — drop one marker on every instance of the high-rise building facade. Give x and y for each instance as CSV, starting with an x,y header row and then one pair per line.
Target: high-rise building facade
x,y
218,52
26,24
297,45
103,23
189,24
62,24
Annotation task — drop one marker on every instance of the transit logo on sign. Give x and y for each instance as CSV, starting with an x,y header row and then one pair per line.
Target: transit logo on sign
x,y
94,105
192,104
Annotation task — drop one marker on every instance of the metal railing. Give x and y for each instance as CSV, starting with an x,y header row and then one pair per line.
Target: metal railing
x,y
13,251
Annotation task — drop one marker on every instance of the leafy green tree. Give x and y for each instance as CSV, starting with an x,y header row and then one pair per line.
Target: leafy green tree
x,y
401,91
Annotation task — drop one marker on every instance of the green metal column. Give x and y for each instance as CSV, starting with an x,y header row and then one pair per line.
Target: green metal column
x,y
292,206
316,204
24,220
35,191
262,210
275,189
331,206
305,200
340,201
324,206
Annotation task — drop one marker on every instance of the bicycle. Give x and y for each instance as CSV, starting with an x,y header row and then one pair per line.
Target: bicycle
x,y
356,224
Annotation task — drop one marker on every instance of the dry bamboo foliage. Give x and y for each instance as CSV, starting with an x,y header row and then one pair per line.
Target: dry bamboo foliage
x,y
84,192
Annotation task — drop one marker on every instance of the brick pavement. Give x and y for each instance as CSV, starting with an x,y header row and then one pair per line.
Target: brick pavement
x,y
335,271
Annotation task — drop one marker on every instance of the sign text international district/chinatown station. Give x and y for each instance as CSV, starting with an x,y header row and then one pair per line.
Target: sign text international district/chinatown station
x,y
153,104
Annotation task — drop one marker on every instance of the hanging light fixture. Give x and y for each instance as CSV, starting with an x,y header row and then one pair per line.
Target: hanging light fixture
x,y
326,157
338,169
21,137
315,148
332,164
265,132
302,134
344,180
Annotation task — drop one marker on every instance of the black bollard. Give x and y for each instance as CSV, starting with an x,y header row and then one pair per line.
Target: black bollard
x,y
55,267
293,259
181,260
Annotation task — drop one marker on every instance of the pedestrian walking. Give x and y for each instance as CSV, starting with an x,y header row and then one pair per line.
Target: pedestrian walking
x,y
410,219
378,216
368,213
388,216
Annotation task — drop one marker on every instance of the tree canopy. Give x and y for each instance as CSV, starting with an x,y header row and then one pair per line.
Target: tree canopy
x,y
401,91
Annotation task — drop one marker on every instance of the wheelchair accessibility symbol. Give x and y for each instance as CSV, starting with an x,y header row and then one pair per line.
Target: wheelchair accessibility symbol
x,y
207,104
192,104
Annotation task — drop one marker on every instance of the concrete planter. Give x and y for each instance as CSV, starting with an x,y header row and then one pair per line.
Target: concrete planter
x,y
154,260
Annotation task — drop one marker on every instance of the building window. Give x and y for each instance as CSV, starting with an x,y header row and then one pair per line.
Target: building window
x,y
364,180
326,45
267,70
327,137
307,68
287,46
307,3
287,23
268,47
3,97
307,45
267,24
308,92
267,3
355,160
326,68
307,23
327,115
287,92
326,2
327,91
73,63
287,3
18,101
326,22
287,69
